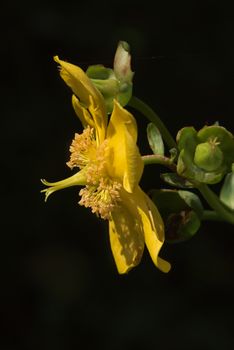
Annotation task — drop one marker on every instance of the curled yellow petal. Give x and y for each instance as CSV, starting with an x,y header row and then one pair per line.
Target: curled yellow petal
x,y
153,229
125,160
79,82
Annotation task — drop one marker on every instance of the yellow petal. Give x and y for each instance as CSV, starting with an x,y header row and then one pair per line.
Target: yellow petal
x,y
82,113
122,116
80,83
125,161
92,117
100,120
126,238
153,228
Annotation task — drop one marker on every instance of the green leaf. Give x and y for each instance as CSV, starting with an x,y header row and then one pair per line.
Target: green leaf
x,y
176,180
227,190
168,201
193,201
182,226
189,225
155,139
176,207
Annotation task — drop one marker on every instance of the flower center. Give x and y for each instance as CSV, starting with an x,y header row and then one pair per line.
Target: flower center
x,y
101,193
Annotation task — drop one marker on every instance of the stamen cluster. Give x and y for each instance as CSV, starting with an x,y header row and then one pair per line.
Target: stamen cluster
x,y
82,148
101,193
102,199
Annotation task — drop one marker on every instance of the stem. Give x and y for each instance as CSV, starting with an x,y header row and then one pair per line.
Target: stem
x,y
158,159
154,118
211,215
215,203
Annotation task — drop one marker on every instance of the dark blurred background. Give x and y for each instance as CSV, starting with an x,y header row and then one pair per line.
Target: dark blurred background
x,y
59,285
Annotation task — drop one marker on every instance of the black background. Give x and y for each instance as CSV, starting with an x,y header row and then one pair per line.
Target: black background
x,y
59,285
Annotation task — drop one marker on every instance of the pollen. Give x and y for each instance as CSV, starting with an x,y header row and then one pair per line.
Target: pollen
x,y
82,149
102,199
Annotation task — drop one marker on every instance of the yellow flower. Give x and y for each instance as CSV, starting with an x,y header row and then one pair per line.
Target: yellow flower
x,y
110,168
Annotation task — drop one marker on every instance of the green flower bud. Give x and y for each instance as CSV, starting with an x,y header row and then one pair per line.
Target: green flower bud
x,y
205,156
122,63
208,156
114,83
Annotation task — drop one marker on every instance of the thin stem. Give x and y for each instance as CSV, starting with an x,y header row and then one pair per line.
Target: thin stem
x,y
215,203
210,215
154,118
158,159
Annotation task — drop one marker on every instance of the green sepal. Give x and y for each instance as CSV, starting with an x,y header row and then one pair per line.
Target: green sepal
x,y
105,81
173,154
155,139
227,190
187,168
98,71
181,212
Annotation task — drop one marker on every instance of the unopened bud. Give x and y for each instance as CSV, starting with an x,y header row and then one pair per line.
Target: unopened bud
x,y
208,156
